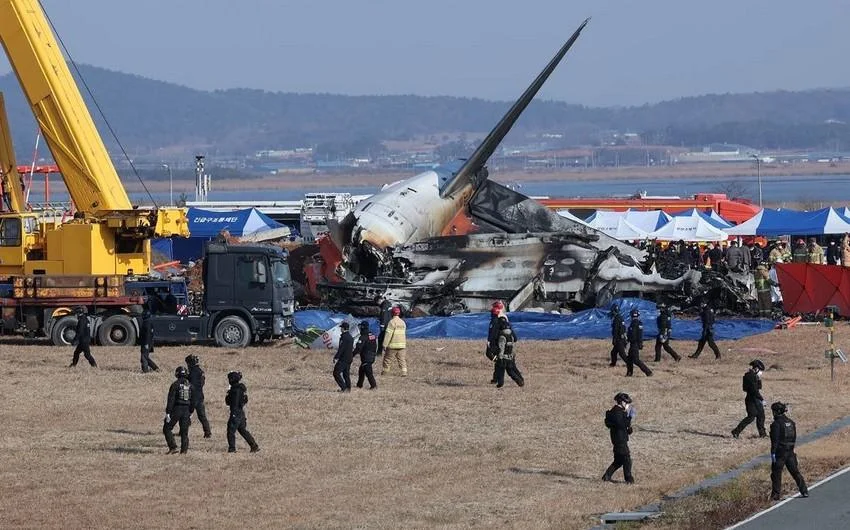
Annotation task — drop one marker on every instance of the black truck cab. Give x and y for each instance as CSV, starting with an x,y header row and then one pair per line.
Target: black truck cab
x,y
248,297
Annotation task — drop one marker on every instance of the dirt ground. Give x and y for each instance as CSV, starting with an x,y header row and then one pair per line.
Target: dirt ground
x,y
441,448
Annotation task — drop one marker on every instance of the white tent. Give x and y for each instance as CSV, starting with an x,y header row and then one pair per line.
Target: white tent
x,y
694,227
616,226
647,221
567,215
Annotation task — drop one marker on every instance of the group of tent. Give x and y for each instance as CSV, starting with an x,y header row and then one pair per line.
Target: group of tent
x,y
694,225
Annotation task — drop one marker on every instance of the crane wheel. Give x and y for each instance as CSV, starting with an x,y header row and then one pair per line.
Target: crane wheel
x,y
232,332
64,331
117,330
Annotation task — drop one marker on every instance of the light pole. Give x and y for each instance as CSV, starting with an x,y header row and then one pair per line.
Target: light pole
x,y
171,185
758,174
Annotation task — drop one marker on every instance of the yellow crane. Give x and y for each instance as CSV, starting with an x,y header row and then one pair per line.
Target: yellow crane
x,y
108,236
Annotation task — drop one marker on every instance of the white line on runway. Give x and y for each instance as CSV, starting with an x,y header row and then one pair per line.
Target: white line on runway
x,y
789,499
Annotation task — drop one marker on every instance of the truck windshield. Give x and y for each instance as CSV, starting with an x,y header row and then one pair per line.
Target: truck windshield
x,y
280,269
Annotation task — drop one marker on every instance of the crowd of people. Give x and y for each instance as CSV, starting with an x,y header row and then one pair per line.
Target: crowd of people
x,y
186,393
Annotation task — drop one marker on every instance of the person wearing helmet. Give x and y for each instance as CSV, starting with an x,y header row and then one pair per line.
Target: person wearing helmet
x,y
783,437
753,402
815,252
619,423
178,409
635,335
146,342
236,398
800,253
505,356
706,316
197,379
763,285
385,308
366,347
619,338
665,331
342,359
395,344
82,339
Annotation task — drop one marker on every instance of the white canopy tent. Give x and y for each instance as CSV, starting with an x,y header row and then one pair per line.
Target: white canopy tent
x,y
694,227
567,215
615,225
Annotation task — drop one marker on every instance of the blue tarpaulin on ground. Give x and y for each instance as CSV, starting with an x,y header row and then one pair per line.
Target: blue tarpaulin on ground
x,y
588,324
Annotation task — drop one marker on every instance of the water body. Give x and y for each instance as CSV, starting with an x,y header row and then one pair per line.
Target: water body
x,y
775,189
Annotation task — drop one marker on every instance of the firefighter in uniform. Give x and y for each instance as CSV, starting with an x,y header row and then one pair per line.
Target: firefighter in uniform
x,y
146,342
665,331
197,379
619,423
801,253
395,344
236,399
754,402
635,335
763,283
618,336
366,347
706,315
505,355
178,409
783,436
82,340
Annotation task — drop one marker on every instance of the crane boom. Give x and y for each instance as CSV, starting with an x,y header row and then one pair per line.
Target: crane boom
x,y
12,198
107,235
59,109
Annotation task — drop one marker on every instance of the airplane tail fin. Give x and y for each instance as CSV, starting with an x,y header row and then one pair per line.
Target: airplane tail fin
x,y
471,170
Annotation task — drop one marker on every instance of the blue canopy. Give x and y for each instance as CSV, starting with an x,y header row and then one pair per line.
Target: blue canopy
x,y
206,224
711,218
770,222
588,324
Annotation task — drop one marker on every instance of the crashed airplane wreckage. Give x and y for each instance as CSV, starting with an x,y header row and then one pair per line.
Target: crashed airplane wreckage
x,y
449,240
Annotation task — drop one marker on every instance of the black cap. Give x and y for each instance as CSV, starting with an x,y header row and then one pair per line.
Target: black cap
x,y
622,397
779,408
756,363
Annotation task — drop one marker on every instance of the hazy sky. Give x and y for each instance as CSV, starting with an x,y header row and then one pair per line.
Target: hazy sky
x,y
631,53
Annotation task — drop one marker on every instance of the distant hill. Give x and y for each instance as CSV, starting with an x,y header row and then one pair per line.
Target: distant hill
x,y
150,115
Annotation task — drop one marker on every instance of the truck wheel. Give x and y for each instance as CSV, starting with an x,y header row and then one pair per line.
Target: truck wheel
x,y
232,332
117,330
64,331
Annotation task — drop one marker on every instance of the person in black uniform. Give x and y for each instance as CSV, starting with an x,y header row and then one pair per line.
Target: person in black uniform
x,y
635,335
178,409
492,337
665,330
82,340
366,347
342,359
619,423
783,437
236,399
384,317
146,342
197,379
707,317
754,402
618,336
505,355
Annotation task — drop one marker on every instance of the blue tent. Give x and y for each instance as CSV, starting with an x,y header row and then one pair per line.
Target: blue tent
x,y
770,222
206,224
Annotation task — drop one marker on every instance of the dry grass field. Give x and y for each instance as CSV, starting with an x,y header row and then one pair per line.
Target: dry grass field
x,y
441,448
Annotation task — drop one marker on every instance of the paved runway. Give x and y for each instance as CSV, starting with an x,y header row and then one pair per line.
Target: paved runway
x,y
827,508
